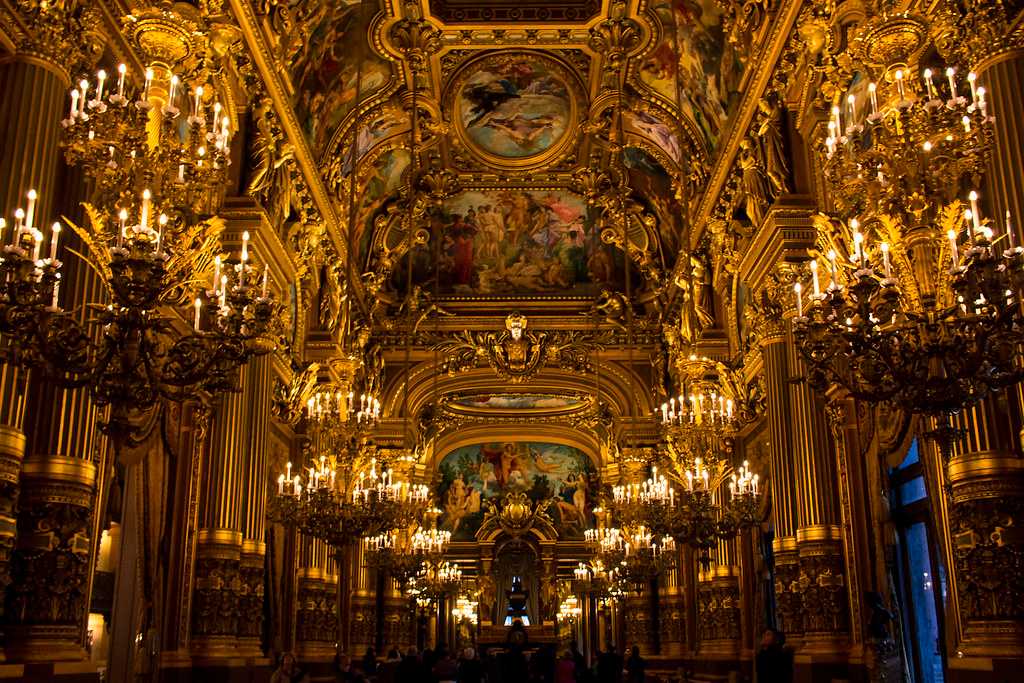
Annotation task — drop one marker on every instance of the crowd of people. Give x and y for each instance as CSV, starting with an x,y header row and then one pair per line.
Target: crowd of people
x,y
543,665
773,664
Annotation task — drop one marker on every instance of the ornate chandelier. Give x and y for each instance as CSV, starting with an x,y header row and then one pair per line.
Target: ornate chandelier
x,y
404,552
636,553
465,610
712,502
434,581
603,582
913,297
154,239
341,504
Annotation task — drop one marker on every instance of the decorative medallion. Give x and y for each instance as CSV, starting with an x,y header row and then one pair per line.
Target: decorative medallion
x,y
515,110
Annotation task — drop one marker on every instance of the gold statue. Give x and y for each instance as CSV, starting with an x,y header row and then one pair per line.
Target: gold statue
x,y
773,145
756,189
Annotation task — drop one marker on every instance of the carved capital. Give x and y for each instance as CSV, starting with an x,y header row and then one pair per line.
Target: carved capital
x,y
417,40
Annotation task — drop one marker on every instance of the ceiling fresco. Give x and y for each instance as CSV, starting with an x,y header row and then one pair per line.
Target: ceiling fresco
x,y
514,105
334,66
693,65
507,242
515,101
473,477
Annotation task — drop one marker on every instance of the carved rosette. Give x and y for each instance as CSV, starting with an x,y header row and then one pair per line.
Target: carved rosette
x,y
250,596
46,602
215,601
788,596
12,451
316,620
825,613
988,552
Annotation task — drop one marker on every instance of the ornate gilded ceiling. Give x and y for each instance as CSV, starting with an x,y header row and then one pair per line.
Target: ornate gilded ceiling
x,y
515,100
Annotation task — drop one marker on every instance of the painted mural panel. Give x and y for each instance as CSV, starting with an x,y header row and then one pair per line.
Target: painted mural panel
x,y
651,182
516,402
517,242
474,474
515,106
334,66
695,64
657,131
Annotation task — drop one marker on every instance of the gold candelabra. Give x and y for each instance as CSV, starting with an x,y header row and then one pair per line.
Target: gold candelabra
x,y
153,238
922,301
404,552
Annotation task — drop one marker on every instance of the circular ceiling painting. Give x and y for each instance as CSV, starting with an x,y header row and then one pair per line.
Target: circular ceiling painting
x,y
514,108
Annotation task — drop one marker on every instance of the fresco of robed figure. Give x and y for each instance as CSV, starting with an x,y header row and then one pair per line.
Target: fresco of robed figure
x,y
471,475
517,242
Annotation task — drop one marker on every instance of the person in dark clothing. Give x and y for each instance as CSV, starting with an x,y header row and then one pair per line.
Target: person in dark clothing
x,y
774,662
578,660
370,662
445,669
289,671
409,669
609,666
637,666
471,670
345,672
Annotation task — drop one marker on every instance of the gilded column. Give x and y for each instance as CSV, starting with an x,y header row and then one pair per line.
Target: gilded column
x,y
362,614
719,606
672,618
825,610
252,569
46,603
985,477
215,609
315,618
33,84
50,567
781,477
